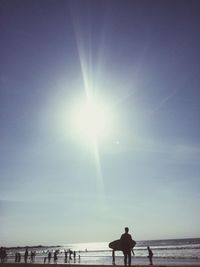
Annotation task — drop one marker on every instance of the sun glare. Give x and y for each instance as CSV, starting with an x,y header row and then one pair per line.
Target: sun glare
x,y
91,120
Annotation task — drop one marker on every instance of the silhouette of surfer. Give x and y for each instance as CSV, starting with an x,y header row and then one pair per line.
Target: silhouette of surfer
x,y
117,245
150,256
126,243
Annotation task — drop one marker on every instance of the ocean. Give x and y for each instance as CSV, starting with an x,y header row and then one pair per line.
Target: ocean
x,y
169,251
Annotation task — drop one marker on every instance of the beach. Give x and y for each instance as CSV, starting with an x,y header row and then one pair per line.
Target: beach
x,y
165,252
79,265
174,252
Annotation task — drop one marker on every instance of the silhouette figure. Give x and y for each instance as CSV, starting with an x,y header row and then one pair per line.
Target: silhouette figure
x,y
33,253
66,256
150,256
49,257
126,243
55,257
18,257
70,254
26,255
3,254
116,245
74,253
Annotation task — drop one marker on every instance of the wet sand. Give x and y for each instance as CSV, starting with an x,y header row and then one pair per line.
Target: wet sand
x,y
80,265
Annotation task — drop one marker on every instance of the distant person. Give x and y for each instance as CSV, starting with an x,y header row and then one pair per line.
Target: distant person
x,y
74,256
19,257
150,256
55,257
3,254
26,255
16,257
66,256
45,258
33,253
49,257
126,243
70,254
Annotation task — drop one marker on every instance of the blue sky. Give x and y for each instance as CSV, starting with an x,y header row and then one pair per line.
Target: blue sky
x,y
141,59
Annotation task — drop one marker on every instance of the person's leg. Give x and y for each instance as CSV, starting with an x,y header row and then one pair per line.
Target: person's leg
x,y
125,257
113,256
129,258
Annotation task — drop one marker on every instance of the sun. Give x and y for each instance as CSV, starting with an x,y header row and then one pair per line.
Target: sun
x,y
91,120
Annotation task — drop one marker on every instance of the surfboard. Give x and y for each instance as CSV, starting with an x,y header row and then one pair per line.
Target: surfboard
x,y
116,244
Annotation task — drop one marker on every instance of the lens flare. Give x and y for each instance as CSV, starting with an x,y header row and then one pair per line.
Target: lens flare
x,y
91,120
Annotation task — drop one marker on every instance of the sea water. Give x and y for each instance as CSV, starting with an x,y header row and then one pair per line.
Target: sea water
x,y
170,251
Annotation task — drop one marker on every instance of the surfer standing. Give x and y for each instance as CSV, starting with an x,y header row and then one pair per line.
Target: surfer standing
x,y
126,243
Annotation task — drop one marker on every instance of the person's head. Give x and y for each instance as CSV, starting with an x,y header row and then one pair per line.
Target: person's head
x,y
126,229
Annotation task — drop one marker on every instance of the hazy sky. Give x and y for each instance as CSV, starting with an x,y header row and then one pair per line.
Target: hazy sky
x,y
140,60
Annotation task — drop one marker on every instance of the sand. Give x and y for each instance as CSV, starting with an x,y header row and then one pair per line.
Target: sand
x,y
80,265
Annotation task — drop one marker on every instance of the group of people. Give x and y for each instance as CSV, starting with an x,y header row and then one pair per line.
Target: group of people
x,y
49,256
26,255
127,248
68,256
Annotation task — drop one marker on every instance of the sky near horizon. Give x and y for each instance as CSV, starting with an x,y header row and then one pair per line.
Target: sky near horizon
x,y
139,166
